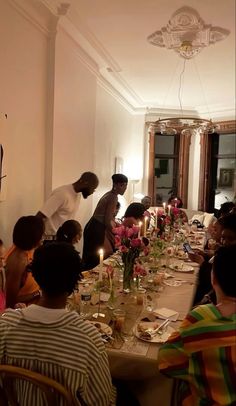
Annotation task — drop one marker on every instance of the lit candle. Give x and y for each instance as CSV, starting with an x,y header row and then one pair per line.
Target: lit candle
x,y
156,219
100,264
164,207
139,231
169,207
176,202
145,226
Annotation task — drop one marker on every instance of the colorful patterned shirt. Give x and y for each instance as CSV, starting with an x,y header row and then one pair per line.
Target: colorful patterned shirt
x,y
203,354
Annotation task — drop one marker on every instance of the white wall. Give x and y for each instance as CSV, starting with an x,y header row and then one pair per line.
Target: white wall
x,y
117,134
23,54
89,127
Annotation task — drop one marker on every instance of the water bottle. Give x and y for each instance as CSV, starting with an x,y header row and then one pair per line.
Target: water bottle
x,y
85,301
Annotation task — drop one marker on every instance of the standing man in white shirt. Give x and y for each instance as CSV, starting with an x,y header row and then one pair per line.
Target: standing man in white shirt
x,y
64,201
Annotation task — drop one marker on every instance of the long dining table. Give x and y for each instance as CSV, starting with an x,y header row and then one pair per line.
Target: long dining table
x,y
135,361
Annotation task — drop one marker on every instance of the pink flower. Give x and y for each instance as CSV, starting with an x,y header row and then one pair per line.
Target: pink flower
x,y
117,240
175,211
135,242
110,271
119,231
167,220
139,270
123,248
130,232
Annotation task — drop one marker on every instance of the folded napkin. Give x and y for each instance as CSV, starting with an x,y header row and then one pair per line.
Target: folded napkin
x,y
164,313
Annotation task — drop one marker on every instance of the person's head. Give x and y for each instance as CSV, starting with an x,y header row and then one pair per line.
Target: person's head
x,y
117,209
146,201
217,229
86,184
225,208
175,201
135,210
229,229
28,232
70,231
56,267
223,273
119,183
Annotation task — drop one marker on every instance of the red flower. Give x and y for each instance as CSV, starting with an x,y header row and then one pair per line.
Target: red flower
x,y
135,242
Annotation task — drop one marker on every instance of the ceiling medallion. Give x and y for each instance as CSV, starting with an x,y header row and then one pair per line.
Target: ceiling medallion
x,y
187,34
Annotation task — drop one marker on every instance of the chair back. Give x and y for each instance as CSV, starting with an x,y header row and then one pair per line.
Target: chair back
x,y
51,390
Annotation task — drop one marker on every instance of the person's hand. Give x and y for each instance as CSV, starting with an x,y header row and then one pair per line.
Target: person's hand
x,y
195,257
19,306
199,252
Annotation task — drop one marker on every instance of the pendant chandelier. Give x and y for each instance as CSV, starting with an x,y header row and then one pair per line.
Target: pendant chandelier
x,y
187,35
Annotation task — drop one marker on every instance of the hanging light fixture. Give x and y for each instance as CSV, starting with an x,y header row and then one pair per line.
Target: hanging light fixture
x,y
182,124
187,35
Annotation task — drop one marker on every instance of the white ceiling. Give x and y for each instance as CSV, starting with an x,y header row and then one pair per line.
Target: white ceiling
x,y
114,33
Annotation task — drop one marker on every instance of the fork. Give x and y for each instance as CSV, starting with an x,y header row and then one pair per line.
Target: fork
x,y
160,329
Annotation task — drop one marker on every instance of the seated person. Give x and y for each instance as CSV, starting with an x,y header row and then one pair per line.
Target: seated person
x,y
175,201
225,233
202,352
133,215
70,231
225,208
20,284
64,346
147,202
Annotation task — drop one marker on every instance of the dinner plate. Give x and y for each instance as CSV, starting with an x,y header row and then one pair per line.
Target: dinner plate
x,y
103,328
182,268
158,338
173,283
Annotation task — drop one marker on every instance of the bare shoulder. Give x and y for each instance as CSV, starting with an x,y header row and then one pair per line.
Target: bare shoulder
x,y
17,260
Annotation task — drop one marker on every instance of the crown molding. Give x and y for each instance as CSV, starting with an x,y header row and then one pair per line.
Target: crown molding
x,y
35,13
94,68
49,15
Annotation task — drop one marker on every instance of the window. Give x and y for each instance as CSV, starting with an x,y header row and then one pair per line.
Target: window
x,y
218,163
168,166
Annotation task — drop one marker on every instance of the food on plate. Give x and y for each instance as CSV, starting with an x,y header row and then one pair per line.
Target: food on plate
x,y
143,327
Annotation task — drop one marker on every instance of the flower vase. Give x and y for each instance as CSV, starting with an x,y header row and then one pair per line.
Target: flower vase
x,y
111,300
128,276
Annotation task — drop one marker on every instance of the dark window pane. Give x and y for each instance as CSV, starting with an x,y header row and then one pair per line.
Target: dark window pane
x,y
227,144
226,181
164,144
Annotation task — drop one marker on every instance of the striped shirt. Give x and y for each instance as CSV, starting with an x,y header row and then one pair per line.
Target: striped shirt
x,y
60,345
203,354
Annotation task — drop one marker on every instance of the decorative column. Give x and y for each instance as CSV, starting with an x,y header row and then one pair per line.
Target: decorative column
x,y
151,164
184,147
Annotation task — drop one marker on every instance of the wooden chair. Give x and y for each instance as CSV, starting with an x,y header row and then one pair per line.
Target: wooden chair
x,y
49,387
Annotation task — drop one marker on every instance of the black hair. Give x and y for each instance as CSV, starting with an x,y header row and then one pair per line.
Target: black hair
x,y
119,178
68,231
28,232
135,210
89,177
224,269
225,208
179,201
229,222
56,267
